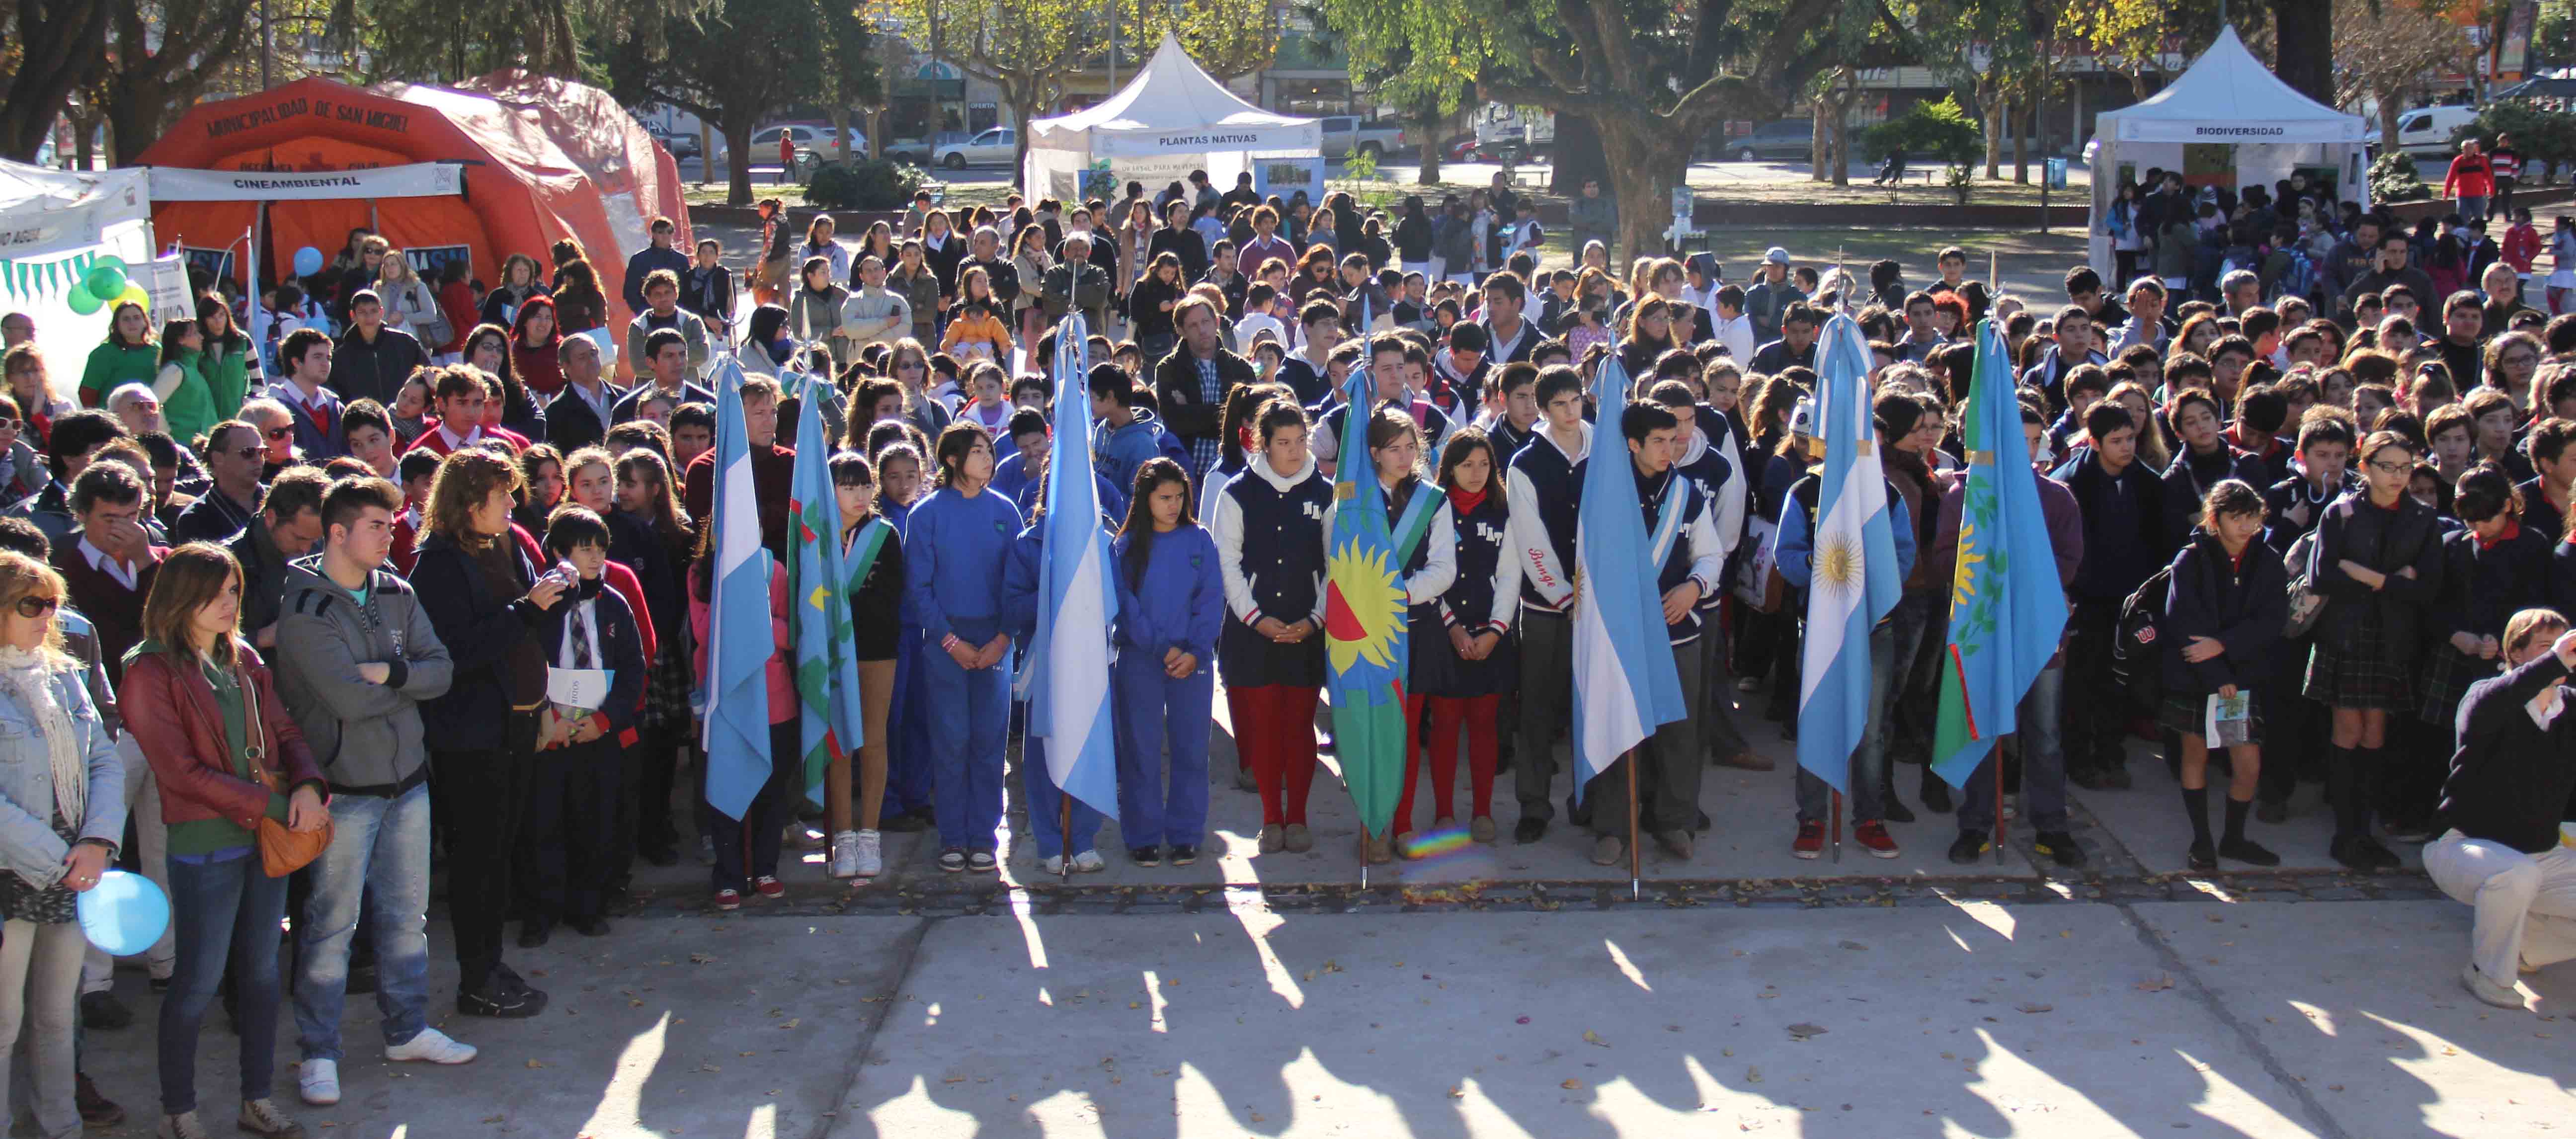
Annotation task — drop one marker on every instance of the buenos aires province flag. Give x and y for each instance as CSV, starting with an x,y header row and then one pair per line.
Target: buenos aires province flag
x,y
1854,580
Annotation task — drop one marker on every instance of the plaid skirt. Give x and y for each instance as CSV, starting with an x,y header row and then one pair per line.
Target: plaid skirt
x,y
666,689
2188,714
2362,678
2447,677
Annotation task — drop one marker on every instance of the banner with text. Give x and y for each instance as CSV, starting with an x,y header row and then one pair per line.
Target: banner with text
x,y
414,180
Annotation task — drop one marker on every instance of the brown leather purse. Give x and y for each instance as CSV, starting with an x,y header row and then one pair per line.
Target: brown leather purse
x,y
282,850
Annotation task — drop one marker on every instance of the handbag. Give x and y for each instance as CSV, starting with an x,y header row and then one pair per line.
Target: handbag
x,y
282,850
1758,583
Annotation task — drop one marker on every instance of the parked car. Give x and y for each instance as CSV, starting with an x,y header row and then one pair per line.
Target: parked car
x,y
1787,138
1343,134
995,146
817,138
681,146
2426,131
1461,148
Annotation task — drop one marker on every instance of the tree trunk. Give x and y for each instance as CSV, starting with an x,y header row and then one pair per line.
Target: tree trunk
x,y
876,132
738,178
1820,139
1024,107
2021,144
1578,156
1841,160
2388,110
2303,46
1997,108
841,134
1647,159
1428,126
706,151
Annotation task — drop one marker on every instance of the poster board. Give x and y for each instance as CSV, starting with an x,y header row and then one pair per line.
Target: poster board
x,y
1287,176
430,260
166,278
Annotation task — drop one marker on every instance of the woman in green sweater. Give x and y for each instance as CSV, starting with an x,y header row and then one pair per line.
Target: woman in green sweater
x,y
187,404
226,359
130,355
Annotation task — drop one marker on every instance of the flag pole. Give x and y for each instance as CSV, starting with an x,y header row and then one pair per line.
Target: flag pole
x,y
1999,802
1634,892
1837,830
1064,829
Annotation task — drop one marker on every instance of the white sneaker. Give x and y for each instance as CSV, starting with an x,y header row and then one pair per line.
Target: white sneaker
x,y
2485,988
1088,862
1052,865
433,1046
845,854
318,1081
871,858
183,1126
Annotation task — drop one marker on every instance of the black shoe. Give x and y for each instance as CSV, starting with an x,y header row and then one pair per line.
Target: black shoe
x,y
2059,846
362,979
95,1110
589,926
2201,857
159,985
2270,812
499,999
1703,822
1145,855
2364,853
1936,797
2088,778
1789,729
533,934
1184,854
2248,852
662,856
1968,847
1529,830
2116,778
1578,814
1892,809
101,1011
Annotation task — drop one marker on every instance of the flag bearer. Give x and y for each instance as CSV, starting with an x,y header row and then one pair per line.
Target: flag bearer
x,y
872,556
1426,556
1020,601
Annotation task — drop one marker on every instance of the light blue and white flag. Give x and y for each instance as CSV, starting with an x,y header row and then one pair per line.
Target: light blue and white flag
x,y
1625,682
733,697
1855,579
1065,673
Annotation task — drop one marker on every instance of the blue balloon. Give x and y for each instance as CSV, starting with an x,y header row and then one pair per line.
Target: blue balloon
x,y
124,914
308,261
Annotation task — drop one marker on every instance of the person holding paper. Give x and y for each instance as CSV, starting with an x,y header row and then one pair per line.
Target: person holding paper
x,y
2223,618
594,686
2503,849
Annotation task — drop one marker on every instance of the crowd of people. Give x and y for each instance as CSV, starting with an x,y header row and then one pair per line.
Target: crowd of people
x,y
336,592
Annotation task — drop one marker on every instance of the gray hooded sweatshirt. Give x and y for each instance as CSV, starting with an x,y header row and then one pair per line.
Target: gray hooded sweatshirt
x,y
365,737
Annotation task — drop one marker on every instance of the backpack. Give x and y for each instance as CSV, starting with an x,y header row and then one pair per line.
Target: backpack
x,y
2306,604
2134,647
2299,278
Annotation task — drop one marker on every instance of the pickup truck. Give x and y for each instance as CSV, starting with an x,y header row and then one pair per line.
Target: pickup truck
x,y
1343,134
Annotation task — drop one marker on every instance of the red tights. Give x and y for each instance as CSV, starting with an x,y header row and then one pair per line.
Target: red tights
x,y
1274,731
1477,715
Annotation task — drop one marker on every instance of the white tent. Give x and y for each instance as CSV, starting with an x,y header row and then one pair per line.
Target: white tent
x,y
2227,120
53,224
1172,119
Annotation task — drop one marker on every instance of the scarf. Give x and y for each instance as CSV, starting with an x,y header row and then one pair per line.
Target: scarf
x,y
26,674
1463,503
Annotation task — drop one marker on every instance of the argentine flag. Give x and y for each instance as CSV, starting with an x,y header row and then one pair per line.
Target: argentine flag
x,y
733,697
1625,682
1855,580
1066,671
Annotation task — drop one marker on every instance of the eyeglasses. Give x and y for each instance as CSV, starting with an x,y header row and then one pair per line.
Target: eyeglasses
x,y
38,606
248,453
2391,468
275,433
144,405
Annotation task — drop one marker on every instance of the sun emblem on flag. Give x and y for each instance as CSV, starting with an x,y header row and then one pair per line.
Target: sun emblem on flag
x,y
1838,567
1963,585
1363,609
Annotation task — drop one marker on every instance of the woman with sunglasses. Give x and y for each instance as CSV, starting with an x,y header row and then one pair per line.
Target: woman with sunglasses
x,y
60,774
205,713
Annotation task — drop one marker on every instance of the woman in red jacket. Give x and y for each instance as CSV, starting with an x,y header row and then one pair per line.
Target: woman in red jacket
x,y
226,755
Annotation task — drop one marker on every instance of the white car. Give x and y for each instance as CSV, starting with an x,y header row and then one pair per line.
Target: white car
x,y
817,139
995,146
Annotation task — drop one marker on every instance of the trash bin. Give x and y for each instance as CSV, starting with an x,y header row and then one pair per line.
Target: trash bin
x,y
2055,173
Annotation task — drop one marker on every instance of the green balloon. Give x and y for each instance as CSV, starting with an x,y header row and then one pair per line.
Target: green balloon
x,y
108,261
83,302
104,280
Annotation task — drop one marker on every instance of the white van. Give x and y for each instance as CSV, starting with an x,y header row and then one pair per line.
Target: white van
x,y
2426,131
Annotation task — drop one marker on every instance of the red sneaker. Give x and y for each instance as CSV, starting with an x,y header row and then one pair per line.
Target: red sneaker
x,y
1811,841
1872,837
728,899
768,887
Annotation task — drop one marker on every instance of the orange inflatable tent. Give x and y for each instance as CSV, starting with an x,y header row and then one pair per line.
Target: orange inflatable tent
x,y
542,159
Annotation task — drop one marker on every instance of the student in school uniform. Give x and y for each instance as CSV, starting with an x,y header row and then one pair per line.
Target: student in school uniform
x,y
1171,607
1426,559
957,542
2492,567
872,555
1543,488
908,779
1057,836
1464,665
2378,562
745,850
1269,531
580,751
2223,618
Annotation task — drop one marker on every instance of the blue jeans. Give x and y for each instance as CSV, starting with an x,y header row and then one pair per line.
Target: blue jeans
x,y
1155,710
2043,763
379,850
970,723
1868,758
226,913
908,781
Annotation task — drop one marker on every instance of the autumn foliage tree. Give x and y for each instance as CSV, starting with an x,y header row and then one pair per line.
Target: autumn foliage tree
x,y
1027,48
2386,51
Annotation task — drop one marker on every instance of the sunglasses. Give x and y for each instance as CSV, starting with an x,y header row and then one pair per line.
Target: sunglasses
x,y
38,606
248,453
280,432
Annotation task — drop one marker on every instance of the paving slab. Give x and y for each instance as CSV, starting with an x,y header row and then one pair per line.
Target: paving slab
x,y
2371,1021
678,1026
1978,1019
2148,819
